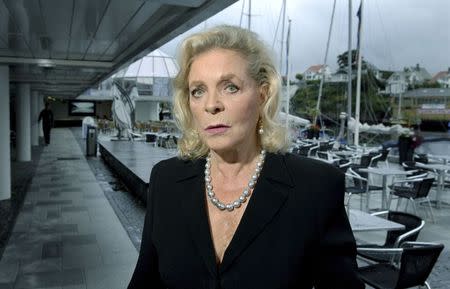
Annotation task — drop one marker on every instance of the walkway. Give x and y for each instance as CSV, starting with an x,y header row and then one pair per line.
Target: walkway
x,y
66,235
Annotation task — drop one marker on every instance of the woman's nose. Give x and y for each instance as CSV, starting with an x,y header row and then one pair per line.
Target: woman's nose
x,y
213,104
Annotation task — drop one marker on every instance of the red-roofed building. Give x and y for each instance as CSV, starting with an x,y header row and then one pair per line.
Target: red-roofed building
x,y
314,72
443,78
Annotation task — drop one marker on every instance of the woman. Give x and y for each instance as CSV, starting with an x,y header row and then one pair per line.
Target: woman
x,y
233,210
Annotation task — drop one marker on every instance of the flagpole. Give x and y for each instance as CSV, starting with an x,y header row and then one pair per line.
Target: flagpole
x,y
358,79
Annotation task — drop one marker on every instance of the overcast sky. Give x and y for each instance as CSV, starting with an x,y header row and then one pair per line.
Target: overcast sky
x,y
395,33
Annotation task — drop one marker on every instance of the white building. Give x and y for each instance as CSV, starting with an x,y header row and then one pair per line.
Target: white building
x,y
399,81
443,78
314,72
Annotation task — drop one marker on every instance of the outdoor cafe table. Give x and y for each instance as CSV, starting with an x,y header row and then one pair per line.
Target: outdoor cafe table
x,y
362,221
385,172
441,170
346,153
444,158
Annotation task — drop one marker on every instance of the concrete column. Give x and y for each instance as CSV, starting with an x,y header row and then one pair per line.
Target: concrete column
x,y
40,108
5,152
34,118
23,133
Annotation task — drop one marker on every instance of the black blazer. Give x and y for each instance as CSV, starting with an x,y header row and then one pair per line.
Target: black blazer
x,y
293,234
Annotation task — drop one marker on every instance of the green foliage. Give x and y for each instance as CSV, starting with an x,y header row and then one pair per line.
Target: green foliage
x,y
342,60
299,76
427,84
334,100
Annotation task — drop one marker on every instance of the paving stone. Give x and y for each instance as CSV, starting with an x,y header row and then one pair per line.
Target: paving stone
x,y
51,250
59,228
50,279
53,214
52,203
74,209
75,240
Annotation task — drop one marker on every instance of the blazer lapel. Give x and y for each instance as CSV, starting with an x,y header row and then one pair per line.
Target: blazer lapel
x,y
192,185
269,195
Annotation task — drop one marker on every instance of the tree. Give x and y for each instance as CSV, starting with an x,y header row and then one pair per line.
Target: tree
x,y
299,76
342,60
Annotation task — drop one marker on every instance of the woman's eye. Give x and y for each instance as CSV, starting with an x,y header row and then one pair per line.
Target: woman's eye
x,y
231,88
197,92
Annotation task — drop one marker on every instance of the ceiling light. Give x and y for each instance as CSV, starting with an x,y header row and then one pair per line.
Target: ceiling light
x,y
45,63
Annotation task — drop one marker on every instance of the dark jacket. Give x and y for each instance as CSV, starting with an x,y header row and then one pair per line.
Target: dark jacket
x,y
293,234
47,117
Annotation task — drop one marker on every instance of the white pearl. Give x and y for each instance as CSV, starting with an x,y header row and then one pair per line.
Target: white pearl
x,y
209,187
251,184
254,177
242,199
236,204
208,179
221,206
211,194
229,207
246,193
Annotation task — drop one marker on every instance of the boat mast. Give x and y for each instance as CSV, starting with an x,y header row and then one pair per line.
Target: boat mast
x,y
249,24
349,71
358,79
322,79
282,34
288,85
249,15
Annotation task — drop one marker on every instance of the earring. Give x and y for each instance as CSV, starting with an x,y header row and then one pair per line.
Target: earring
x,y
261,128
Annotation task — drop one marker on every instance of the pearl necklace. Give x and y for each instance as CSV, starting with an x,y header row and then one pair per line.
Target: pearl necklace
x,y
245,194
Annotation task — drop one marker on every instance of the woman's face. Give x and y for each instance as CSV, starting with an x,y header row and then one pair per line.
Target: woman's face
x,y
224,100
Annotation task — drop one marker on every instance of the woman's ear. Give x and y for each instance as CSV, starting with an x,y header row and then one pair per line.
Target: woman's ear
x,y
263,93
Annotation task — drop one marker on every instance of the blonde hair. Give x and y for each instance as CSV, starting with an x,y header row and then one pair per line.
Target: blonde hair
x,y
260,68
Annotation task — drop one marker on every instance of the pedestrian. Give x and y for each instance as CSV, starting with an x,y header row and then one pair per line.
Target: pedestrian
x,y
47,122
234,209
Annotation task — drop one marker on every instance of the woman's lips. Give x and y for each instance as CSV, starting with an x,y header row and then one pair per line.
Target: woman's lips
x,y
217,129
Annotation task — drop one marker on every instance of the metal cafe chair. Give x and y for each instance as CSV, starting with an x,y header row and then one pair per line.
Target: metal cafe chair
x,y
413,226
384,155
415,191
360,186
410,267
